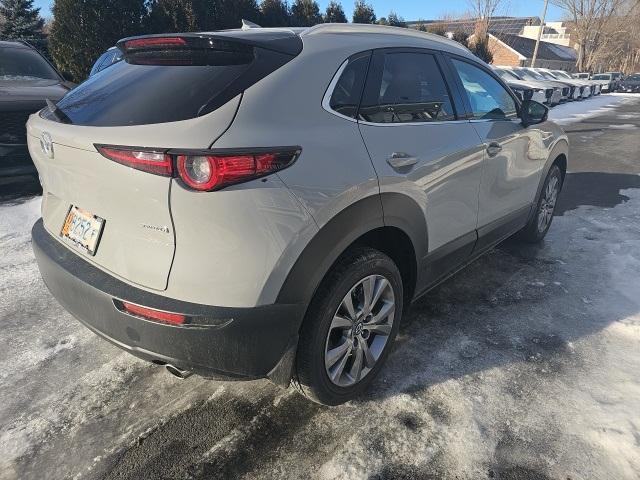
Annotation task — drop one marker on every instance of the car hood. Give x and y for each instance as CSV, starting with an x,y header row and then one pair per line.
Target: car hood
x,y
19,95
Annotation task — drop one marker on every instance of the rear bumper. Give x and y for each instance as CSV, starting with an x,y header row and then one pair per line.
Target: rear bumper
x,y
223,343
15,160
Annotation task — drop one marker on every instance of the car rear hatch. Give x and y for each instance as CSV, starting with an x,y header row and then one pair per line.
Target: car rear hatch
x,y
159,98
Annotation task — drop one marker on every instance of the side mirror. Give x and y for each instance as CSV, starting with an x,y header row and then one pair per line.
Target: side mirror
x,y
532,113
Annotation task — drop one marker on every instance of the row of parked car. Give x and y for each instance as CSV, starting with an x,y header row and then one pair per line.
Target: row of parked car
x,y
552,87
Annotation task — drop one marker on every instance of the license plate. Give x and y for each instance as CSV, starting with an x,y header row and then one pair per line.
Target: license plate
x,y
83,229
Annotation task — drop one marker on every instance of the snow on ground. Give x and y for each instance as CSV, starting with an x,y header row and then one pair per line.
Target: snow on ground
x,y
592,107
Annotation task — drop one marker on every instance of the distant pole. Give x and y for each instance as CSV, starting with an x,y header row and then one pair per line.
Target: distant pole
x,y
535,51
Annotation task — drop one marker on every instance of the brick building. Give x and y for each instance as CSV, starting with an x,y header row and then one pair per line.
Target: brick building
x,y
517,51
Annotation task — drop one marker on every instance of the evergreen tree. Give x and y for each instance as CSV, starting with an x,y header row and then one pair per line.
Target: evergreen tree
x,y
83,29
172,16
394,20
480,49
21,20
230,13
305,13
275,13
335,13
363,13
461,37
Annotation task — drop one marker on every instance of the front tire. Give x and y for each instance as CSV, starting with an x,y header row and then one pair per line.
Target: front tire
x,y
349,328
540,222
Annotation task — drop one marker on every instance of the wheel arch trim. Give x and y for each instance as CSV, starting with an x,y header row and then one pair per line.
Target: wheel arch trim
x,y
343,230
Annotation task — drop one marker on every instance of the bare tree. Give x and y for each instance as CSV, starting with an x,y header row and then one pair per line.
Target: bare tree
x,y
484,11
591,21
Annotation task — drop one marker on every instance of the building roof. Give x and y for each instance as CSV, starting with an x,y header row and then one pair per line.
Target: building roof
x,y
546,51
502,25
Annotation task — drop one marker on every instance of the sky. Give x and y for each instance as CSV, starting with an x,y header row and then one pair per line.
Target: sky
x,y
414,9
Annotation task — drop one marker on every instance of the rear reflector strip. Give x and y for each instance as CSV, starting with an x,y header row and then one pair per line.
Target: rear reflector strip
x,y
155,315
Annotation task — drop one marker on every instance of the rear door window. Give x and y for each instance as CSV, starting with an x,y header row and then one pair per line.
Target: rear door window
x,y
406,87
168,86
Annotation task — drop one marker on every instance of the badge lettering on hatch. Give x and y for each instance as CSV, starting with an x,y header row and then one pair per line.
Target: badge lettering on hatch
x,y
155,228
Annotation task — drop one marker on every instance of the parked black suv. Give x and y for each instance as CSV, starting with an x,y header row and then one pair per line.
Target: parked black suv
x,y
27,80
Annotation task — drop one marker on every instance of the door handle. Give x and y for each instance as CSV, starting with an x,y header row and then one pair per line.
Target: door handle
x,y
493,149
401,159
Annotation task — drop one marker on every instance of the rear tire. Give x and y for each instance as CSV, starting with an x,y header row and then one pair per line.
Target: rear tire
x,y
349,328
540,222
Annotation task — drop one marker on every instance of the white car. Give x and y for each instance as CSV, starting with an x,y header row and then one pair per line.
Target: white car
x,y
266,202
525,90
553,92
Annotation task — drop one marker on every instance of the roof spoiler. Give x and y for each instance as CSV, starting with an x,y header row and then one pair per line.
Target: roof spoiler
x,y
282,41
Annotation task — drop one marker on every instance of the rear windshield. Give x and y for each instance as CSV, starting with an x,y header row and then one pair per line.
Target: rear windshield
x,y
166,88
19,64
601,77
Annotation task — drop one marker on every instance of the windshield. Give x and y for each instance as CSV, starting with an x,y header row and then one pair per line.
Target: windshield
x,y
528,74
601,77
559,73
158,86
20,64
547,75
507,74
634,78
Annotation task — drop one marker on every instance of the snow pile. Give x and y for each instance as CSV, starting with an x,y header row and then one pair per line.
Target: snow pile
x,y
580,110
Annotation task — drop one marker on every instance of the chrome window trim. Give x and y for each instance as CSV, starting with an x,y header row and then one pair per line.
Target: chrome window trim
x,y
326,100
326,105
402,124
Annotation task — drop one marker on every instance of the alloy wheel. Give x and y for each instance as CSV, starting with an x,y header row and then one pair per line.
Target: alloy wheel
x,y
548,203
359,330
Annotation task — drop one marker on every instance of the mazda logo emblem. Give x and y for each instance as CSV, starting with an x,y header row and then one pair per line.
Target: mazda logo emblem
x,y
46,144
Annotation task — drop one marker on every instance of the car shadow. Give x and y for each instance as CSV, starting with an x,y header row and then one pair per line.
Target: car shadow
x,y
18,189
597,189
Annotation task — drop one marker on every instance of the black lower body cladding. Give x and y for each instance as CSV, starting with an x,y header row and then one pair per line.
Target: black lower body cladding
x,y
227,342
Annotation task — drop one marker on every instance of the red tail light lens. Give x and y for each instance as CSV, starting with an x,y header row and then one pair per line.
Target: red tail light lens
x,y
206,171
151,314
213,172
151,161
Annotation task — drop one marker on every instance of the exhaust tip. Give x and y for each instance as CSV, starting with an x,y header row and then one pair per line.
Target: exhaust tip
x,y
178,372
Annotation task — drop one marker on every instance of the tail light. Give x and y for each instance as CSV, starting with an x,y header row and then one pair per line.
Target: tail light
x,y
213,172
154,42
205,171
151,161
